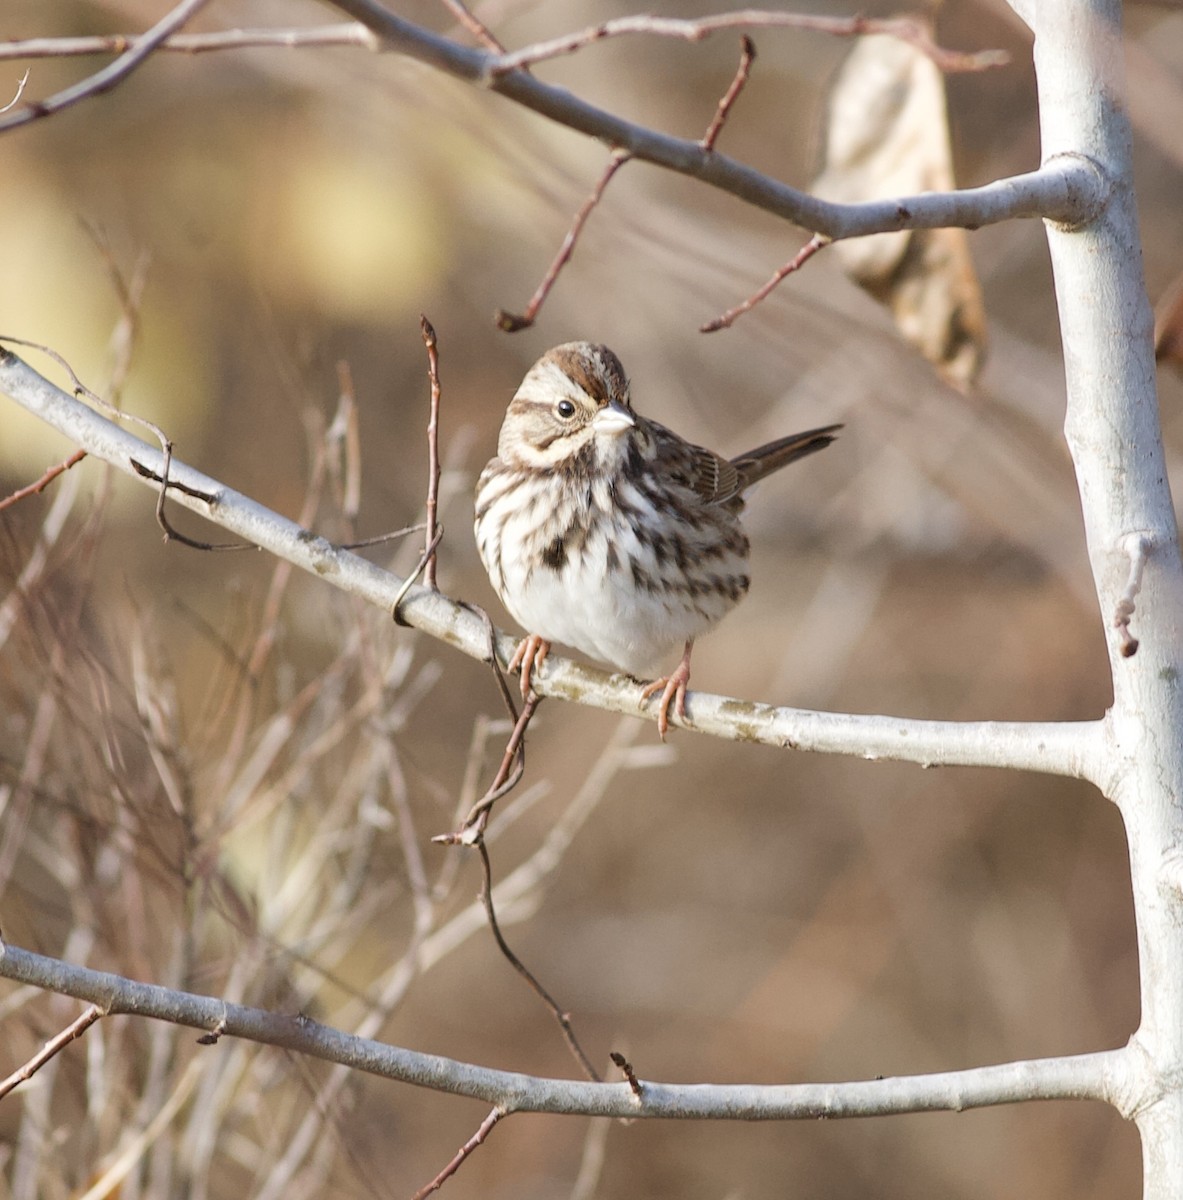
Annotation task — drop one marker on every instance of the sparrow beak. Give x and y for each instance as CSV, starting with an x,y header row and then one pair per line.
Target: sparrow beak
x,y
613,419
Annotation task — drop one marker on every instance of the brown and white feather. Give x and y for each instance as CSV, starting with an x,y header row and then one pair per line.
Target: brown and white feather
x,y
606,531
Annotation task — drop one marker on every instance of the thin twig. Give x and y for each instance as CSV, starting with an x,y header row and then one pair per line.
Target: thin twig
x,y
382,538
914,32
560,1014
345,34
511,322
746,57
473,1142
1069,188
811,247
409,582
353,34
54,1046
51,473
472,833
172,534
495,662
20,91
509,774
431,538
473,24
112,74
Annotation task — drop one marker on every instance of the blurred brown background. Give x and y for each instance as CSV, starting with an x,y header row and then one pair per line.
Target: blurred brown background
x,y
222,779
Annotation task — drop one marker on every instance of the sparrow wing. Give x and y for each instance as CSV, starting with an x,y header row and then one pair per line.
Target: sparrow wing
x,y
755,464
711,478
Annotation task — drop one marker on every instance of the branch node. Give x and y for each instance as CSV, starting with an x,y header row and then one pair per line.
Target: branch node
x,y
213,1036
1137,547
626,1069
1086,193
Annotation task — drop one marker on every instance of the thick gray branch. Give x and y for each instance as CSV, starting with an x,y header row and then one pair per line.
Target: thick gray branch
x,y
1068,189
1060,748
1098,1076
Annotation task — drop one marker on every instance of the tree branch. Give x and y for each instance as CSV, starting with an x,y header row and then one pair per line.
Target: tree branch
x,y
112,74
1069,189
1100,1076
346,34
1059,748
914,32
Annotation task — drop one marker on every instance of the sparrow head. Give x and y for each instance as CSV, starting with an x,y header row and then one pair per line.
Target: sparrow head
x,y
574,401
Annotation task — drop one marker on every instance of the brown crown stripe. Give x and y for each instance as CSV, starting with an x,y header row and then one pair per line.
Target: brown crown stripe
x,y
599,373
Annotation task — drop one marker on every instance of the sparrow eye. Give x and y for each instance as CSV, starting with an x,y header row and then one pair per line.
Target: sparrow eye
x,y
565,409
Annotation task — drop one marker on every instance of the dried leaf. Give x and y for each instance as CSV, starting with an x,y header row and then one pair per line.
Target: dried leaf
x,y
887,135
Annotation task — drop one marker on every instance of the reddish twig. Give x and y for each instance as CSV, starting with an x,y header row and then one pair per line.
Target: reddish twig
x,y
112,74
511,322
626,1069
470,21
560,1014
74,1030
914,32
172,534
509,773
473,1142
472,833
51,473
811,247
431,539
746,58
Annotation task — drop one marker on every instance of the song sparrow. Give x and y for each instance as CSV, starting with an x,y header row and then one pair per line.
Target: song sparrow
x,y
606,531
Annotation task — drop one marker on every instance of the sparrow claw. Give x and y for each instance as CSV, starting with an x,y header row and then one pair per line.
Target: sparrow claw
x,y
673,690
529,657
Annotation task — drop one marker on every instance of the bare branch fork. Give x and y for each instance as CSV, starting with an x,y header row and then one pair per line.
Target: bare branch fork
x,y
1069,188
908,30
1061,748
1105,1075
513,322
111,75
